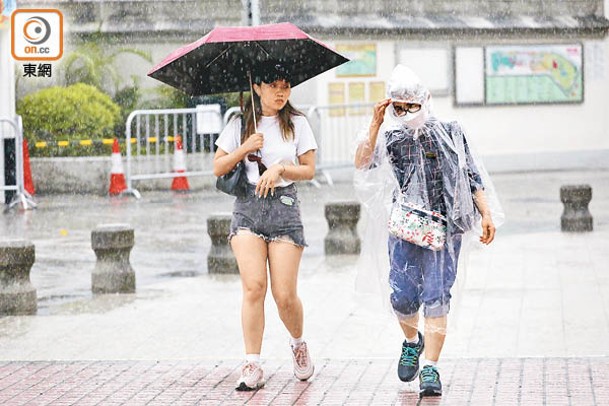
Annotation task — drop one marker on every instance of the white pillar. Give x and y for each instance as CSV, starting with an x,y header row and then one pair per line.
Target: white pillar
x,y
7,93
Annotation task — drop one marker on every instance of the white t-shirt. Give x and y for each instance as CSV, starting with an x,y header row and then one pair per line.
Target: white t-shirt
x,y
274,149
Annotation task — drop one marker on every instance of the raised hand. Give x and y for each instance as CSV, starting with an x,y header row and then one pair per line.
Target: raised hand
x,y
379,112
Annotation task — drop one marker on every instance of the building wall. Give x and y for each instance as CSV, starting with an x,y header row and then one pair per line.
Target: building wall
x,y
545,136
516,137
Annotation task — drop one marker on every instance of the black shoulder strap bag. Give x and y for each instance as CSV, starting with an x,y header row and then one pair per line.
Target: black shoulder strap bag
x,y
234,182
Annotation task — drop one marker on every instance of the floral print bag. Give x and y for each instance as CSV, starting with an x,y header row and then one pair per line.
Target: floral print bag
x,y
417,225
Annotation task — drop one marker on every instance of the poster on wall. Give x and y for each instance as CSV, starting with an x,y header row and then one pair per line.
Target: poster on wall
x,y
376,91
362,60
357,95
336,97
533,74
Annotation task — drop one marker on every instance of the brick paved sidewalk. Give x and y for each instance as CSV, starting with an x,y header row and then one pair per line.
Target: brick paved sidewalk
x,y
512,381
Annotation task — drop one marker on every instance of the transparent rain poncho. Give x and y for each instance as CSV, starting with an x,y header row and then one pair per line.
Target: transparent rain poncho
x,y
428,163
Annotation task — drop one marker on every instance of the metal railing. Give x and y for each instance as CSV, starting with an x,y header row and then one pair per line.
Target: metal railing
x,y
22,198
336,128
150,144
150,136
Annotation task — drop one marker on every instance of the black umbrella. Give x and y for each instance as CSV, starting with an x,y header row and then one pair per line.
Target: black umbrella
x,y
221,60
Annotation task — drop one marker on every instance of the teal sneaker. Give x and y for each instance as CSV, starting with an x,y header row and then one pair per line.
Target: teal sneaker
x,y
408,367
429,382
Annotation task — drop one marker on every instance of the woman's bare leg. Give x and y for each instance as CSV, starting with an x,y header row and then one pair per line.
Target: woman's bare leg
x,y
284,262
251,252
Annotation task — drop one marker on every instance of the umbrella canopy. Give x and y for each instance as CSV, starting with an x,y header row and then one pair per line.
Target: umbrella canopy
x,y
220,61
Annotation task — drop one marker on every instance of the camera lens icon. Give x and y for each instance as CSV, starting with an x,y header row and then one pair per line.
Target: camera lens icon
x,y
36,30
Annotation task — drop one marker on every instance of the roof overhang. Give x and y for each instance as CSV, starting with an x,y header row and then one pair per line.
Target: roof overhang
x,y
445,24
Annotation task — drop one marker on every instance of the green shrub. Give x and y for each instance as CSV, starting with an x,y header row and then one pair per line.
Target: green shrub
x,y
68,113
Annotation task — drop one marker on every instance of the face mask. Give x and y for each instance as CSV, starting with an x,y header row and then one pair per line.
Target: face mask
x,y
415,120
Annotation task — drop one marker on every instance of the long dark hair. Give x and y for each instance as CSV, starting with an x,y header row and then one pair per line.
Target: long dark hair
x,y
285,118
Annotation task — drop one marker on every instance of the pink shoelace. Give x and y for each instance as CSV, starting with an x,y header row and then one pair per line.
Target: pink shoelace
x,y
249,368
300,353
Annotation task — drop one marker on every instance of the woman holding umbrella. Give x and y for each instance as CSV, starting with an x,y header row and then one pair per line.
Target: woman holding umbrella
x,y
277,150
277,145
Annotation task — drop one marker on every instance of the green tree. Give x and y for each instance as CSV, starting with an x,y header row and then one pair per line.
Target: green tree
x,y
94,62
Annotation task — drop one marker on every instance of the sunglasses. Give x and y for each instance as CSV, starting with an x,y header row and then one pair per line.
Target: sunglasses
x,y
403,108
258,160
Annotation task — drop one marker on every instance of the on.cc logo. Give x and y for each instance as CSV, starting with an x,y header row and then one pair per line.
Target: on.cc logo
x,y
36,30
37,34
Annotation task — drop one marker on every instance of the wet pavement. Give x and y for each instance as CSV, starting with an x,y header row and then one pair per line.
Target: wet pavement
x,y
530,317
484,382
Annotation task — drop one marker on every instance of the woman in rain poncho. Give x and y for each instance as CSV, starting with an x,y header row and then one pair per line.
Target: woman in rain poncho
x,y
438,183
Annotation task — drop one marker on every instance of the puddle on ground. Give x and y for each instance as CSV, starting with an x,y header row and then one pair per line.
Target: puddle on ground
x,y
180,274
92,303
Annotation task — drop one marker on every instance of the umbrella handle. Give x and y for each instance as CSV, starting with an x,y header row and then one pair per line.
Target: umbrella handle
x,y
249,76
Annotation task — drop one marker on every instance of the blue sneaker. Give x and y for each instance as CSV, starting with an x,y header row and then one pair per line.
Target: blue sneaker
x,y
408,367
429,382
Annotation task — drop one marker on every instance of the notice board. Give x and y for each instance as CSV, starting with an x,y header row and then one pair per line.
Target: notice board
x,y
519,74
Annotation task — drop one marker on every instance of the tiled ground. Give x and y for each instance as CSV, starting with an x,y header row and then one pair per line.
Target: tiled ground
x,y
508,381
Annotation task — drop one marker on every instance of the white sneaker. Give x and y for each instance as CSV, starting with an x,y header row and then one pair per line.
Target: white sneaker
x,y
303,366
252,377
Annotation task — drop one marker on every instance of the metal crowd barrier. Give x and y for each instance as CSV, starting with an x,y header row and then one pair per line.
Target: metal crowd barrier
x,y
22,198
336,128
150,146
150,136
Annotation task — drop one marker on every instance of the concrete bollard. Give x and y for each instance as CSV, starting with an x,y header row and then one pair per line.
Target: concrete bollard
x,y
17,294
576,216
112,244
220,258
342,235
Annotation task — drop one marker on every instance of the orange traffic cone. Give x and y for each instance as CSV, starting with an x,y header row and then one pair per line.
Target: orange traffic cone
x,y
180,183
117,175
28,182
